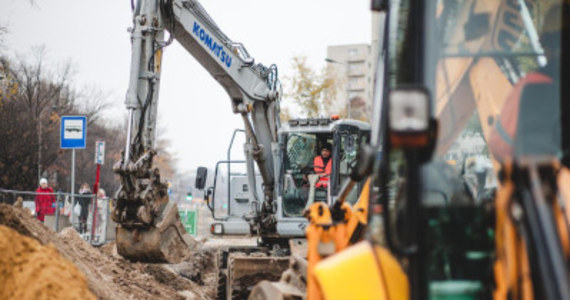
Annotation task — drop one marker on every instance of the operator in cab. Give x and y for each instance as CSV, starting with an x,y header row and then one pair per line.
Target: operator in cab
x,y
322,165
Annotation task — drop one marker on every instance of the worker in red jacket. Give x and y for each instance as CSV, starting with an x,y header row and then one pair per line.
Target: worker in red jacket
x,y
45,200
322,165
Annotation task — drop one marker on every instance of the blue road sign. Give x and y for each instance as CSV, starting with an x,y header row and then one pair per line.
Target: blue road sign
x,y
73,132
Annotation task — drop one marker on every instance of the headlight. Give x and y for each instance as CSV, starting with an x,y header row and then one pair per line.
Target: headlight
x,y
409,110
217,229
409,117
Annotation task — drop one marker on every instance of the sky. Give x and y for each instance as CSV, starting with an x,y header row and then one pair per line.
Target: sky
x,y
194,111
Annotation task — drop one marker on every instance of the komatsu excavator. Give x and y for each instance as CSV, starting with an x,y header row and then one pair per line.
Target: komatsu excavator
x,y
463,82
149,228
230,200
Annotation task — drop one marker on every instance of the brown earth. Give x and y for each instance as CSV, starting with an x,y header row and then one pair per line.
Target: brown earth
x,y
111,277
29,270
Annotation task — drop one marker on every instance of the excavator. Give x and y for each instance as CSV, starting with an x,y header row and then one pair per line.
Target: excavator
x,y
280,182
461,83
149,226
300,190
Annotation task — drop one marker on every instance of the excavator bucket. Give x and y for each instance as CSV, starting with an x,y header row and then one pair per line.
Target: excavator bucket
x,y
165,241
291,286
245,271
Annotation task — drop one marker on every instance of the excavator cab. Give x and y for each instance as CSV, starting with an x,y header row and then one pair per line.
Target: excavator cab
x,y
233,200
303,182
230,197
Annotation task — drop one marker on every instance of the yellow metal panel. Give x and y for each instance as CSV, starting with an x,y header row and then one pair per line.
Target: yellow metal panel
x,y
562,213
395,279
356,273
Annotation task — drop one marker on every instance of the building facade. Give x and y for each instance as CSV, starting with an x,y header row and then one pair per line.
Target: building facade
x,y
351,68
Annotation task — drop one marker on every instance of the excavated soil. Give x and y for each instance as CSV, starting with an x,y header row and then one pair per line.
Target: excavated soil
x,y
108,275
29,270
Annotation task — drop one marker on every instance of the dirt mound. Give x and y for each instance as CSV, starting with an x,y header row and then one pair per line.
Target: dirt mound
x,y
108,276
29,270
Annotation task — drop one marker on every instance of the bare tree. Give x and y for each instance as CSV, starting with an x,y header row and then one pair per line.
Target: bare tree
x,y
92,101
165,160
40,88
8,84
27,132
33,96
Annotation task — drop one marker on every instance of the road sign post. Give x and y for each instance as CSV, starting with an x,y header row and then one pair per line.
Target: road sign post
x,y
99,160
73,136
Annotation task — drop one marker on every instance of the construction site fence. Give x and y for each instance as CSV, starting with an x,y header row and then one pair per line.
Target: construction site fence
x,y
86,213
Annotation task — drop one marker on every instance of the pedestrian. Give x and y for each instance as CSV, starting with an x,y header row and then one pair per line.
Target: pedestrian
x,y
84,201
101,194
45,200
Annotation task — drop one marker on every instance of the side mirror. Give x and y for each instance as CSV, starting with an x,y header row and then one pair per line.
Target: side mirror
x,y
201,176
364,163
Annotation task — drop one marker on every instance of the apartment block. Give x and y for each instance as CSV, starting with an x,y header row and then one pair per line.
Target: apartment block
x,y
351,66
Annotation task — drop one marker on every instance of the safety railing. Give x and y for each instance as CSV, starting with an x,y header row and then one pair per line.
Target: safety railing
x,y
88,214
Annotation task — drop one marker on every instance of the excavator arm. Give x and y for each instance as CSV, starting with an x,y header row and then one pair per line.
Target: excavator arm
x,y
149,226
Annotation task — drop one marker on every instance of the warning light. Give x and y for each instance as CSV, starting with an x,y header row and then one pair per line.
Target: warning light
x,y
335,117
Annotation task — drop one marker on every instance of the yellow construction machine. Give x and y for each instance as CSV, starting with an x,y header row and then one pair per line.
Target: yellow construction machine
x,y
483,83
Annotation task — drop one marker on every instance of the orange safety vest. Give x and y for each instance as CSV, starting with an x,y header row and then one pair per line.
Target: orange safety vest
x,y
319,167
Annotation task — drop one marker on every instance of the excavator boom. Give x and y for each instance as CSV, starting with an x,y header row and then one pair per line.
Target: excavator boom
x,y
149,228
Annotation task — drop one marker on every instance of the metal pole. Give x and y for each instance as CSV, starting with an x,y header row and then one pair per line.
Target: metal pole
x,y
94,218
57,213
40,147
104,221
96,191
72,183
348,89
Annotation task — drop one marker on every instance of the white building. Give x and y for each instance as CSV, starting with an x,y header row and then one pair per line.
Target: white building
x,y
354,67
351,65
